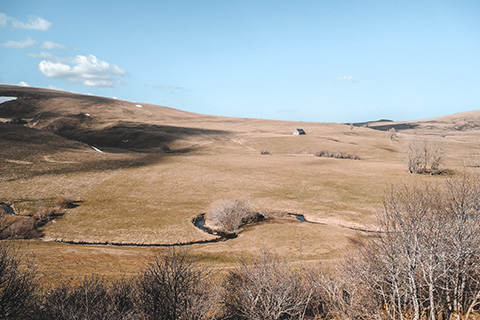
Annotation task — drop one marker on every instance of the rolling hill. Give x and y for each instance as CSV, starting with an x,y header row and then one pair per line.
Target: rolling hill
x,y
141,173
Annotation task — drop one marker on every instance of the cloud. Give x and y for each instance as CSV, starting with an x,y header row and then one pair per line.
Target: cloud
x,y
347,78
23,84
34,23
52,45
88,70
3,19
43,55
19,44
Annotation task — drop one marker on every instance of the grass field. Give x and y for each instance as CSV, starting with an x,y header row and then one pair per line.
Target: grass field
x,y
136,193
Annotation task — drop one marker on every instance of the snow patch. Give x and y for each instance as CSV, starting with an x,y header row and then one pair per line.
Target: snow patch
x,y
96,149
5,99
138,105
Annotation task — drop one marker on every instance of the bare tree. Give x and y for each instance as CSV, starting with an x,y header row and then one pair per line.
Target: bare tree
x,y
175,286
424,157
266,289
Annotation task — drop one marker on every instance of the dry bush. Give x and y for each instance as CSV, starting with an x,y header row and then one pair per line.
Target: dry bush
x,y
93,298
175,286
62,202
18,284
228,216
265,152
336,154
267,289
425,158
21,228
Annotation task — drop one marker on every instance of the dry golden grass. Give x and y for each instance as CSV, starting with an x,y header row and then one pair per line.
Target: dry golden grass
x,y
143,195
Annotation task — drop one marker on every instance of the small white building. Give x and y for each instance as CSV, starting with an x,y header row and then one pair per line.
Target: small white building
x,y
298,132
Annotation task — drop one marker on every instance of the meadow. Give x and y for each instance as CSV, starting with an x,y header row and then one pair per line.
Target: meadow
x,y
161,167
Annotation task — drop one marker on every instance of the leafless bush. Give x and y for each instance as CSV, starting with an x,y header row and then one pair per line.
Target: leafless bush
x,y
20,228
228,215
336,154
265,152
17,284
425,158
24,227
94,298
267,289
62,202
174,286
427,260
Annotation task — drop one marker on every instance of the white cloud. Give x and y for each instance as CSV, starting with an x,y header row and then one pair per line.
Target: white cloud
x,y
89,70
3,19
52,45
43,55
34,23
19,44
23,84
347,78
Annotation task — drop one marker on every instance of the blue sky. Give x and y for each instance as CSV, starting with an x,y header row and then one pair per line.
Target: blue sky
x,y
323,60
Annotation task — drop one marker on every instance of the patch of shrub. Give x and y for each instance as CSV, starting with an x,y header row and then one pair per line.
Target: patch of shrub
x,y
336,154
228,216
64,203
267,289
20,228
24,227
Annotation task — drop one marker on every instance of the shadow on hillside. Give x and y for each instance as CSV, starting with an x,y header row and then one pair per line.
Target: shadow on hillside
x,y
138,137
396,126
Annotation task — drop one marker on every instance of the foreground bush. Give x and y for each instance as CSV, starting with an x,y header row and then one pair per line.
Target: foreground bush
x,y
267,289
174,286
93,298
18,284
426,262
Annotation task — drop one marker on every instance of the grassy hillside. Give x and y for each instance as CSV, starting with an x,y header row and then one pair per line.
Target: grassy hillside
x,y
160,167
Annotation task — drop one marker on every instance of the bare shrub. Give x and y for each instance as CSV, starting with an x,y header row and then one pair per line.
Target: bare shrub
x,y
228,215
175,286
336,154
17,284
265,152
64,203
266,289
424,158
21,228
93,298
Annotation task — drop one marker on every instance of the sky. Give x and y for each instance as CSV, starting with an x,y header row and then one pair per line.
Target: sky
x,y
304,60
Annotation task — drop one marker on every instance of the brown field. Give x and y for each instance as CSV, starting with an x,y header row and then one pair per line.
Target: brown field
x,y
161,167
